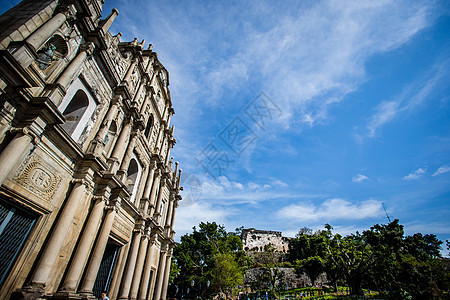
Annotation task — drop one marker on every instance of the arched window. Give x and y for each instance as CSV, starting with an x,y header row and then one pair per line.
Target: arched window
x,y
77,107
75,110
149,127
110,136
133,176
132,173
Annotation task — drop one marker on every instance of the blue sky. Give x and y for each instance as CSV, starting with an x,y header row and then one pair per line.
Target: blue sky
x,y
300,113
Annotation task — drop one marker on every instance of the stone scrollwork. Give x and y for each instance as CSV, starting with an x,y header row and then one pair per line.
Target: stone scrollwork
x,y
38,177
88,48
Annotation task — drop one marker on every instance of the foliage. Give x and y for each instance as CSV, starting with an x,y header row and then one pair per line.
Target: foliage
x,y
380,258
198,255
226,273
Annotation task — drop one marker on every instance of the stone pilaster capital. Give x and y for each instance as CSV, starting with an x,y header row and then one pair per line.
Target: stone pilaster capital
x,y
116,100
88,48
148,230
100,198
139,226
172,196
143,161
127,121
158,173
68,10
153,165
84,181
164,247
114,204
26,130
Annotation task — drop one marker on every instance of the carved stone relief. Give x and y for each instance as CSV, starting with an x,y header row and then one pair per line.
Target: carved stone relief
x,y
38,177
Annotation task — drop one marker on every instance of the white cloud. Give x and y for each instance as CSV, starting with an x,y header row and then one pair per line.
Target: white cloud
x,y
411,98
308,56
386,112
191,215
359,178
442,170
415,175
423,227
331,209
227,192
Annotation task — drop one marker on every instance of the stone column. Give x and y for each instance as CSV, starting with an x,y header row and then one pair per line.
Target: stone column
x,y
13,152
120,146
166,275
163,140
148,187
84,247
130,70
101,134
155,187
43,33
160,133
139,267
99,249
142,181
51,252
158,202
75,65
138,92
174,211
144,104
161,273
147,271
169,147
131,264
169,210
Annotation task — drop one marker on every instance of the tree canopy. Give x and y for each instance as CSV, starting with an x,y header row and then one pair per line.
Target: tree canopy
x,y
380,258
208,261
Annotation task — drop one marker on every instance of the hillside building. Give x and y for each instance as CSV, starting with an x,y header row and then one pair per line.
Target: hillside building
x,y
88,190
258,240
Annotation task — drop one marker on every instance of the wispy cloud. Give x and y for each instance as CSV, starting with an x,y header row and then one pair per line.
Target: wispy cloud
x,y
191,215
227,192
359,178
427,227
308,55
442,170
411,98
332,209
415,175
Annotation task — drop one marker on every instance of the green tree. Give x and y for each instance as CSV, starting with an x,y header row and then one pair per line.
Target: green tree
x,y
309,253
195,257
226,273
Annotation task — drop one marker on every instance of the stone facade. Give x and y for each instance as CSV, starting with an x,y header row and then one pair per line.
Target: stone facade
x,y
88,190
257,240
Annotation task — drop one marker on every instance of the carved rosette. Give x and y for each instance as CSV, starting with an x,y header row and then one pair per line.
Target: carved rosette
x,y
38,177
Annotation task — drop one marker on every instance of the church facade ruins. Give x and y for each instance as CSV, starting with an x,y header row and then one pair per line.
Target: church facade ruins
x,y
88,191
259,240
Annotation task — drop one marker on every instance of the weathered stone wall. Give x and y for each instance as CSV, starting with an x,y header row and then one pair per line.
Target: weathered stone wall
x,y
257,278
256,240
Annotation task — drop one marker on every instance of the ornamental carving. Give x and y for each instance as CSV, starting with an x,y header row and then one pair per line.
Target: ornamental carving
x,y
38,177
121,61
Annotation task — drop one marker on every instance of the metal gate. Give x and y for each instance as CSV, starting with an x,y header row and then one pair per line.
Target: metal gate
x,y
15,225
105,271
